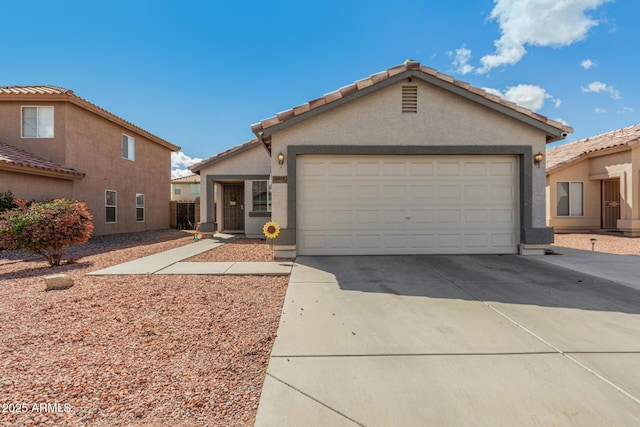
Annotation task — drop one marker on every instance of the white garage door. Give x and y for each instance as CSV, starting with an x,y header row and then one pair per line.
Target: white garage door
x,y
361,205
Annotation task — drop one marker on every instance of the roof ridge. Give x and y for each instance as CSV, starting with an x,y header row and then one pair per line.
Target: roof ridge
x,y
373,79
57,90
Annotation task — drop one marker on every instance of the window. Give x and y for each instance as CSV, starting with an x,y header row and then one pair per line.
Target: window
x,y
128,147
110,204
194,188
139,207
569,200
177,190
261,196
37,122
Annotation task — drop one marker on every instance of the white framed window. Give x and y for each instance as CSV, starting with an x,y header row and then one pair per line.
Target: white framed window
x,y
194,188
111,205
37,122
177,191
569,199
139,207
128,147
261,194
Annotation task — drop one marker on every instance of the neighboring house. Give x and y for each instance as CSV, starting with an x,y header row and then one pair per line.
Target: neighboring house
x,y
185,189
406,161
594,183
239,181
54,144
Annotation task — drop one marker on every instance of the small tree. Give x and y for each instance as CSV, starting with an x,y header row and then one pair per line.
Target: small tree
x,y
45,228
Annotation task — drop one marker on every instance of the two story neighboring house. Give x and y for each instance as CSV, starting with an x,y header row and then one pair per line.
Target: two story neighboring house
x,y
54,144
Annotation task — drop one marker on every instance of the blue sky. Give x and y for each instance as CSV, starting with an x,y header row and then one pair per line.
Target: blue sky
x,y
199,73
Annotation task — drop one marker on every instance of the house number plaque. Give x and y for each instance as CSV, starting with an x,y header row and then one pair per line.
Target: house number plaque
x,y
279,179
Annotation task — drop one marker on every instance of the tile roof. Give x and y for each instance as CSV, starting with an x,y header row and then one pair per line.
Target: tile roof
x,y
189,179
52,93
415,69
566,154
13,158
221,156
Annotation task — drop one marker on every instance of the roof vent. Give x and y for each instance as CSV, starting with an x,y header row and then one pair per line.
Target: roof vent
x,y
410,99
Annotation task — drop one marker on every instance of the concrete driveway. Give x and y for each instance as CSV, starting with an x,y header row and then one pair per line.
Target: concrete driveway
x,y
452,340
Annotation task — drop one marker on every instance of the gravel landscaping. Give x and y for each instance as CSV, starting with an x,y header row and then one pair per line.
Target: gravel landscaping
x,y
608,243
134,350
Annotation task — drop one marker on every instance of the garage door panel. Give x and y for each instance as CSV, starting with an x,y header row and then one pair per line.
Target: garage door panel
x,y
406,204
420,168
476,169
448,168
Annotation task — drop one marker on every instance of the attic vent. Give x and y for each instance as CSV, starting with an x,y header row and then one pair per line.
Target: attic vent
x,y
409,99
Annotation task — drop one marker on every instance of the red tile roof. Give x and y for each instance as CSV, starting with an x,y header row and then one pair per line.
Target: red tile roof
x,y
186,179
221,156
410,67
55,93
12,158
566,154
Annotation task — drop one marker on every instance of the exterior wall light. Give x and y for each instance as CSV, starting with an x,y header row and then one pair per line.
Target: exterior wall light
x,y
537,159
280,159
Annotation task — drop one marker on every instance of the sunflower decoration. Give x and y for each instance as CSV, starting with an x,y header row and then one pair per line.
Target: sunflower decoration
x,y
271,230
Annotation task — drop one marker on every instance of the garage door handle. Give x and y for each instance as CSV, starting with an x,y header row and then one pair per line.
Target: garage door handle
x,y
408,217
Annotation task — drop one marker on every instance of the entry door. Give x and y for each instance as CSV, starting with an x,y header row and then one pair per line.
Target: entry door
x,y
233,210
610,203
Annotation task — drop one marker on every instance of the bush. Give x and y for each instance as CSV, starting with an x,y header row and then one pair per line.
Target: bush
x,y
46,228
6,201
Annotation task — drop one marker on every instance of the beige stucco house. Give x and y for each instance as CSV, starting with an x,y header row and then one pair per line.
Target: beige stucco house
x,y
594,183
406,161
236,195
54,144
186,188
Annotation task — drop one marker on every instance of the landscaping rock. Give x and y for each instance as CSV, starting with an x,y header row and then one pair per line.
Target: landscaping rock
x,y
57,282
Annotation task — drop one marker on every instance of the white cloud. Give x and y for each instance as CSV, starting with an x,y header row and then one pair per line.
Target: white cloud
x,y
542,23
626,110
529,96
179,173
587,63
564,122
179,159
461,59
599,110
599,87
179,164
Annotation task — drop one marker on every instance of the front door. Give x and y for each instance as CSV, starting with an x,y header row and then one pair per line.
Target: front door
x,y
233,209
610,203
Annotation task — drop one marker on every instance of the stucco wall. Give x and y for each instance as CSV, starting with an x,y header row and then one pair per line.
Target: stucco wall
x,y
52,149
443,118
185,192
236,168
93,145
591,219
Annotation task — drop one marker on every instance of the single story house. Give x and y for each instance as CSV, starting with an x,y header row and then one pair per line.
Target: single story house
x,y
594,183
55,144
406,161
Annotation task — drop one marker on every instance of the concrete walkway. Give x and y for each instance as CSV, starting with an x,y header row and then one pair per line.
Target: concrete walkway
x,y
169,262
623,269
453,341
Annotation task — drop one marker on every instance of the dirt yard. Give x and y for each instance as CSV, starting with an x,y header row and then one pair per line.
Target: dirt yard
x,y
134,350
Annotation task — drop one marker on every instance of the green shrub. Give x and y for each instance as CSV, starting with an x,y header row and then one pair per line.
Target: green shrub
x,y
6,201
46,228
